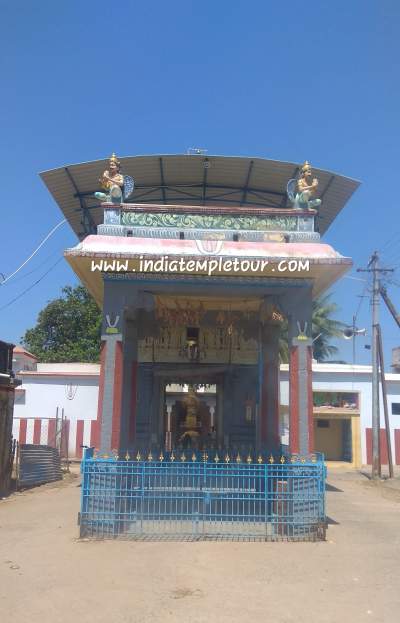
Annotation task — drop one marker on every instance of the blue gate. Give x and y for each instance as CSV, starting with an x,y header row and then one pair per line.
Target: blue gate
x,y
203,497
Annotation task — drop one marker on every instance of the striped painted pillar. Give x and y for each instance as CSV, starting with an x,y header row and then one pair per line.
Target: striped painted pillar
x,y
130,374
110,393
301,432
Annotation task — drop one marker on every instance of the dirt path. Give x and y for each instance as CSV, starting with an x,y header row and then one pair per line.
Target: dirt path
x,y
46,575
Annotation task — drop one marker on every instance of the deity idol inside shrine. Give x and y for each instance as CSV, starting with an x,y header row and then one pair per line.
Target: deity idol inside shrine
x,y
198,264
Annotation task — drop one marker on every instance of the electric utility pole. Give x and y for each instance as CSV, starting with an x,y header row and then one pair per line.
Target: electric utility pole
x,y
376,272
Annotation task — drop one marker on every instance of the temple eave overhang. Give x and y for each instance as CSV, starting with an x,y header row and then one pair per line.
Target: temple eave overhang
x,y
257,263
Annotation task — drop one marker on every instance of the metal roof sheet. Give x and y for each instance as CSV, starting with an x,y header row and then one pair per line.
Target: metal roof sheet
x,y
195,180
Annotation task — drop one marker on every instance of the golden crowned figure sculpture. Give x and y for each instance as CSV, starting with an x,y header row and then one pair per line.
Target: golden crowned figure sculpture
x,y
119,187
302,191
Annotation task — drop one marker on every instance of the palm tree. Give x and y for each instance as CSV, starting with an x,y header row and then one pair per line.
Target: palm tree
x,y
324,328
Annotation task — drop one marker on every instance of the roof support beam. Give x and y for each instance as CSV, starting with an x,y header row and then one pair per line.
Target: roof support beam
x,y
210,198
284,198
327,187
258,196
318,216
238,189
180,200
147,192
164,196
206,164
246,184
87,222
220,195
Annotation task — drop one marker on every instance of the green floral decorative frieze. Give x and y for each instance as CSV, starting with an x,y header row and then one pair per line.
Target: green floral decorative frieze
x,y
207,221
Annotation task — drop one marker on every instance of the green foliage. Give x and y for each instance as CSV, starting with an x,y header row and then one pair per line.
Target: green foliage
x,y
324,328
68,329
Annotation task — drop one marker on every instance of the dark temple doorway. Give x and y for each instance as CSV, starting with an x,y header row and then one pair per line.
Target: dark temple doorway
x,y
191,418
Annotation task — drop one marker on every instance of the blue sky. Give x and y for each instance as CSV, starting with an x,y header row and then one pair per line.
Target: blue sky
x,y
287,81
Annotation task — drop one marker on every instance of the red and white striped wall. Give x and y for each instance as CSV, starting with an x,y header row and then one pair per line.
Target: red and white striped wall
x,y
383,446
42,431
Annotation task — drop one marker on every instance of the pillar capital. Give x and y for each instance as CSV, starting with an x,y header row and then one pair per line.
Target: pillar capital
x,y
296,305
301,342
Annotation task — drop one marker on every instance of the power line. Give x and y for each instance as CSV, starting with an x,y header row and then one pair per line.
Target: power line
x,y
393,282
354,278
51,232
45,261
393,249
360,302
362,297
395,261
394,239
392,258
31,286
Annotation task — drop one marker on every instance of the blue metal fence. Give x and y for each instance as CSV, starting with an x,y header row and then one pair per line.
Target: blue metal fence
x,y
203,497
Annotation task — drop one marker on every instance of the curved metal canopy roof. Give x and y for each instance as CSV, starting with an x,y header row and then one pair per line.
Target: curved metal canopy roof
x,y
194,180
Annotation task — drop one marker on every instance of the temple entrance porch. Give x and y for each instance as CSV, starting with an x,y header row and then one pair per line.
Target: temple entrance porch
x,y
222,336
192,291
196,407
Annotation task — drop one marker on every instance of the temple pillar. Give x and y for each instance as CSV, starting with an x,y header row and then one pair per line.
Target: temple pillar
x,y
110,392
130,382
118,387
301,437
268,430
112,381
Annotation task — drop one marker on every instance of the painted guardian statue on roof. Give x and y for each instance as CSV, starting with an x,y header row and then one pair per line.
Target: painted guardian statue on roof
x,y
302,190
119,187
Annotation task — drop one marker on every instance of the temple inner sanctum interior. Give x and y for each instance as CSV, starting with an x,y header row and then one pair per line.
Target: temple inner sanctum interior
x,y
198,368
190,417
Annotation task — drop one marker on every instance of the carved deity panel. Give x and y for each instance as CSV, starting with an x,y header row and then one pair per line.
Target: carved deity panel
x,y
206,330
215,345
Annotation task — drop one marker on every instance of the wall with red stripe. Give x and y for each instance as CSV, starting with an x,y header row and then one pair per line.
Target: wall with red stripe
x,y
43,431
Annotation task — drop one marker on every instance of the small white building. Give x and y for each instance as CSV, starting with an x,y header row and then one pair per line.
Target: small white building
x,y
23,359
341,414
51,393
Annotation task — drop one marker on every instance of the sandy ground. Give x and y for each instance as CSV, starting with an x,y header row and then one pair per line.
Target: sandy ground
x,y
47,575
